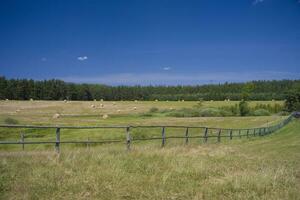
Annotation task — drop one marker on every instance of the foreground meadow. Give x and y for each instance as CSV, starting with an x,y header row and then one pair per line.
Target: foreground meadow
x,y
255,168
258,168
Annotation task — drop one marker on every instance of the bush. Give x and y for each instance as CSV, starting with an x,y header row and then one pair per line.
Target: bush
x,y
153,109
175,114
244,108
261,112
146,115
210,112
11,121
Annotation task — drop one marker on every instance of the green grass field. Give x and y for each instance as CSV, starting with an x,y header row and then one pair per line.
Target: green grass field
x,y
256,168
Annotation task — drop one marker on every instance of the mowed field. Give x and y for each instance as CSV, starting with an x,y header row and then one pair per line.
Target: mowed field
x,y
255,168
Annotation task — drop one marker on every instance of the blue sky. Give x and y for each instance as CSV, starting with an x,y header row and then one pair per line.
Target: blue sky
x,y
144,42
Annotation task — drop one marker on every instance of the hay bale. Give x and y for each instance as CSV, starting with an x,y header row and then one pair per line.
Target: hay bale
x,y
134,108
118,111
105,116
182,100
93,106
135,100
101,105
6,100
95,99
56,116
101,100
156,100
167,101
31,99
65,100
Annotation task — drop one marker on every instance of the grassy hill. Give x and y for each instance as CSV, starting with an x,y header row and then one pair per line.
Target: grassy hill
x,y
256,168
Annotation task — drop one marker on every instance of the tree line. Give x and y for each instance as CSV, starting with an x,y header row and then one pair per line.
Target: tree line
x,y
25,89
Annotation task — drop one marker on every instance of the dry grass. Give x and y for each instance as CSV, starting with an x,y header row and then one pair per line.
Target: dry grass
x,y
262,168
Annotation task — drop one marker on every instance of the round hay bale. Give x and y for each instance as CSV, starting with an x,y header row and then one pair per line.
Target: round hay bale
x,y
95,99
134,108
105,116
182,100
6,100
118,111
31,99
93,106
167,101
156,100
65,100
101,105
56,116
135,100
101,100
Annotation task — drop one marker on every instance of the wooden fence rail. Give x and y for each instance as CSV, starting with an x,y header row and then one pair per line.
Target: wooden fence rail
x,y
220,133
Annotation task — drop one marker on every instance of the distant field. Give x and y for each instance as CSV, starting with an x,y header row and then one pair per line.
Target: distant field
x,y
91,112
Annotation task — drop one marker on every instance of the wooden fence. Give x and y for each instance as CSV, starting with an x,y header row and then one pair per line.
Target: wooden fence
x,y
221,133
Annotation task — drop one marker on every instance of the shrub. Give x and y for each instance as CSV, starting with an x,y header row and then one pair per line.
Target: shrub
x,y
10,121
292,102
146,115
244,108
210,112
175,114
153,109
261,112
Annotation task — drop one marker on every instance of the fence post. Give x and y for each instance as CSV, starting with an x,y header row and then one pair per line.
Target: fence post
x,y
57,140
163,135
187,135
88,143
205,135
230,134
264,132
128,138
247,133
259,133
219,135
22,141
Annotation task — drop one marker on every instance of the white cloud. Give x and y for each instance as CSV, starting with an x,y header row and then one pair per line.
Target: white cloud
x,y
167,68
257,1
181,79
82,58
